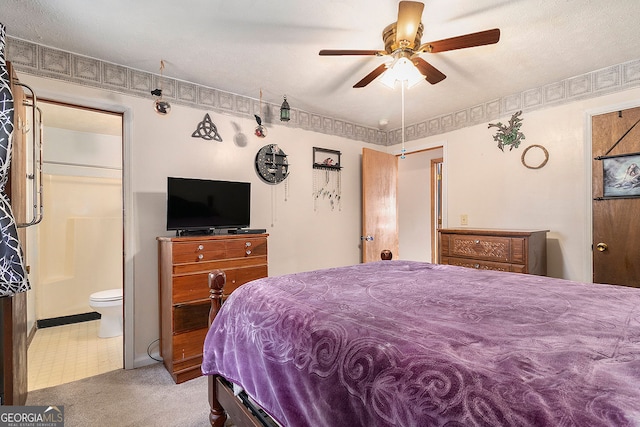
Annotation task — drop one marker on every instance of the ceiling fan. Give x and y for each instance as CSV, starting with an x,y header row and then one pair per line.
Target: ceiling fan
x,y
402,43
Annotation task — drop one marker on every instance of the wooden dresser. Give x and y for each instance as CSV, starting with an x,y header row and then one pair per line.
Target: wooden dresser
x,y
184,264
518,251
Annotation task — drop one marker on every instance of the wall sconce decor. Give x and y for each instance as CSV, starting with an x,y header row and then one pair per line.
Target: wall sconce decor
x,y
161,106
509,135
285,111
207,130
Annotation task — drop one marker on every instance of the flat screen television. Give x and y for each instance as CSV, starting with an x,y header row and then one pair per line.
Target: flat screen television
x,y
203,204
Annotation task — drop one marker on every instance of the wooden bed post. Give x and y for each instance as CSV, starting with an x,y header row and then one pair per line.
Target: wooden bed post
x,y
217,280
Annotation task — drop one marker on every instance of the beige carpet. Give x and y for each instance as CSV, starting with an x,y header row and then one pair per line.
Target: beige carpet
x,y
139,397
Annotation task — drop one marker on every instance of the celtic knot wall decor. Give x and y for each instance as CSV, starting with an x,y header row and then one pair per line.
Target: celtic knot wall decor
x,y
509,135
207,130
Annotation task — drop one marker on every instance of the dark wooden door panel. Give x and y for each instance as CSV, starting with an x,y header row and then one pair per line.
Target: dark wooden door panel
x,y
616,223
15,307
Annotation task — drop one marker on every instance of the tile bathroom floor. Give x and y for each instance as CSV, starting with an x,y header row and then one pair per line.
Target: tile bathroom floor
x,y
62,354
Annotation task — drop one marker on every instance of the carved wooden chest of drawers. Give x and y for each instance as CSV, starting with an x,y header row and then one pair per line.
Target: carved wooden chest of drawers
x,y
518,251
184,266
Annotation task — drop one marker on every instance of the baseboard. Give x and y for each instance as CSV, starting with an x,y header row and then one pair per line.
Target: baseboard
x,y
31,334
68,320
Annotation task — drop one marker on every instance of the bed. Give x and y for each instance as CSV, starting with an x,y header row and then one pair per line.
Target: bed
x,y
402,343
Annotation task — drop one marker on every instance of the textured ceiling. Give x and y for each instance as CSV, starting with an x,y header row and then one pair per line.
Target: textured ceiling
x,y
244,46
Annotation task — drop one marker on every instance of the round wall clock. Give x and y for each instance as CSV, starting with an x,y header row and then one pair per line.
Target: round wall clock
x,y
271,164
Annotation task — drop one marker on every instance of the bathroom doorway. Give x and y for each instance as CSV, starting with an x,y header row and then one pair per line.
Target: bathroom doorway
x,y
77,249
420,203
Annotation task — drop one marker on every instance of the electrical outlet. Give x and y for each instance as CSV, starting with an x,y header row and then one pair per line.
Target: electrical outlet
x,y
464,219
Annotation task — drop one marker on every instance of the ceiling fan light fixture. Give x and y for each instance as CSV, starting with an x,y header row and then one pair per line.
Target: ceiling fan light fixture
x,y
401,70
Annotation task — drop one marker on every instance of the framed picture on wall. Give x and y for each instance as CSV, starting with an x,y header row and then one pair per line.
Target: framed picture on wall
x,y
621,175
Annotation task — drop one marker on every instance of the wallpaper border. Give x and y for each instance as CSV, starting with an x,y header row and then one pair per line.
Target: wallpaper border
x,y
43,61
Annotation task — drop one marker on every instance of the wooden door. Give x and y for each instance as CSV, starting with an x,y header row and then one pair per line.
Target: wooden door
x,y
436,207
14,310
379,204
616,222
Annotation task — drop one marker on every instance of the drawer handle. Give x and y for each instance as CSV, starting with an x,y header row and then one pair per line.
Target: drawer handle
x,y
476,266
477,242
200,247
248,252
200,256
247,244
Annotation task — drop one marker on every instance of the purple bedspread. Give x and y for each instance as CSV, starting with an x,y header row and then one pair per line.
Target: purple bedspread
x,y
400,343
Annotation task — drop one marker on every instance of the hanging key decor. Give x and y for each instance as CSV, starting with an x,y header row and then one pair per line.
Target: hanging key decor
x,y
327,186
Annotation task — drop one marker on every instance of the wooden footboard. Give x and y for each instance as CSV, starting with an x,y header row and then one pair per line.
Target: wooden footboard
x,y
222,400
217,280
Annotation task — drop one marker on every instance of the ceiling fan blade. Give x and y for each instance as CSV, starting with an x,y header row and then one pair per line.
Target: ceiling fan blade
x,y
409,16
461,42
430,73
371,76
329,52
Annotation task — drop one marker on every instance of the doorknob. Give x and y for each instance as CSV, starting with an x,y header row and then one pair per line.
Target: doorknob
x,y
602,247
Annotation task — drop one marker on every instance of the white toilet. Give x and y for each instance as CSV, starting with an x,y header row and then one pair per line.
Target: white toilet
x,y
109,304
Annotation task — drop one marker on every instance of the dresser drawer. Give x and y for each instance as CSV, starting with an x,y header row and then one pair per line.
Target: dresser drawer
x,y
188,344
190,287
481,247
246,248
187,317
198,251
240,276
482,265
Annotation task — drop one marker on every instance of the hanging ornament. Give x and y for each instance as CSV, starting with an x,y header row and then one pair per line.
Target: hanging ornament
x,y
161,106
261,131
285,111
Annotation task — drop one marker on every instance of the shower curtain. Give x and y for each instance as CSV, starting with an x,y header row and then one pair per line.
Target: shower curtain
x,y
13,277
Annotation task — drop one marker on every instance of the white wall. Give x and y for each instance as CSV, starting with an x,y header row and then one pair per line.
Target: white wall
x,y
491,187
496,191
301,238
79,243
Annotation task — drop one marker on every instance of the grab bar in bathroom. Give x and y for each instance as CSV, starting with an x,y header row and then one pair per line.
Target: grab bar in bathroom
x,y
36,177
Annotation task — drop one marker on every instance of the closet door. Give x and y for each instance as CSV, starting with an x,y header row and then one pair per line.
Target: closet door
x,y
616,223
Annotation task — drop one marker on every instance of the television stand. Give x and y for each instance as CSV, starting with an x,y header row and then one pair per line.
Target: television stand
x,y
202,232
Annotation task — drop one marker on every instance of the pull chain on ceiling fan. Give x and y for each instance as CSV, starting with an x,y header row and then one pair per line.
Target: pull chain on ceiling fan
x,y
402,42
